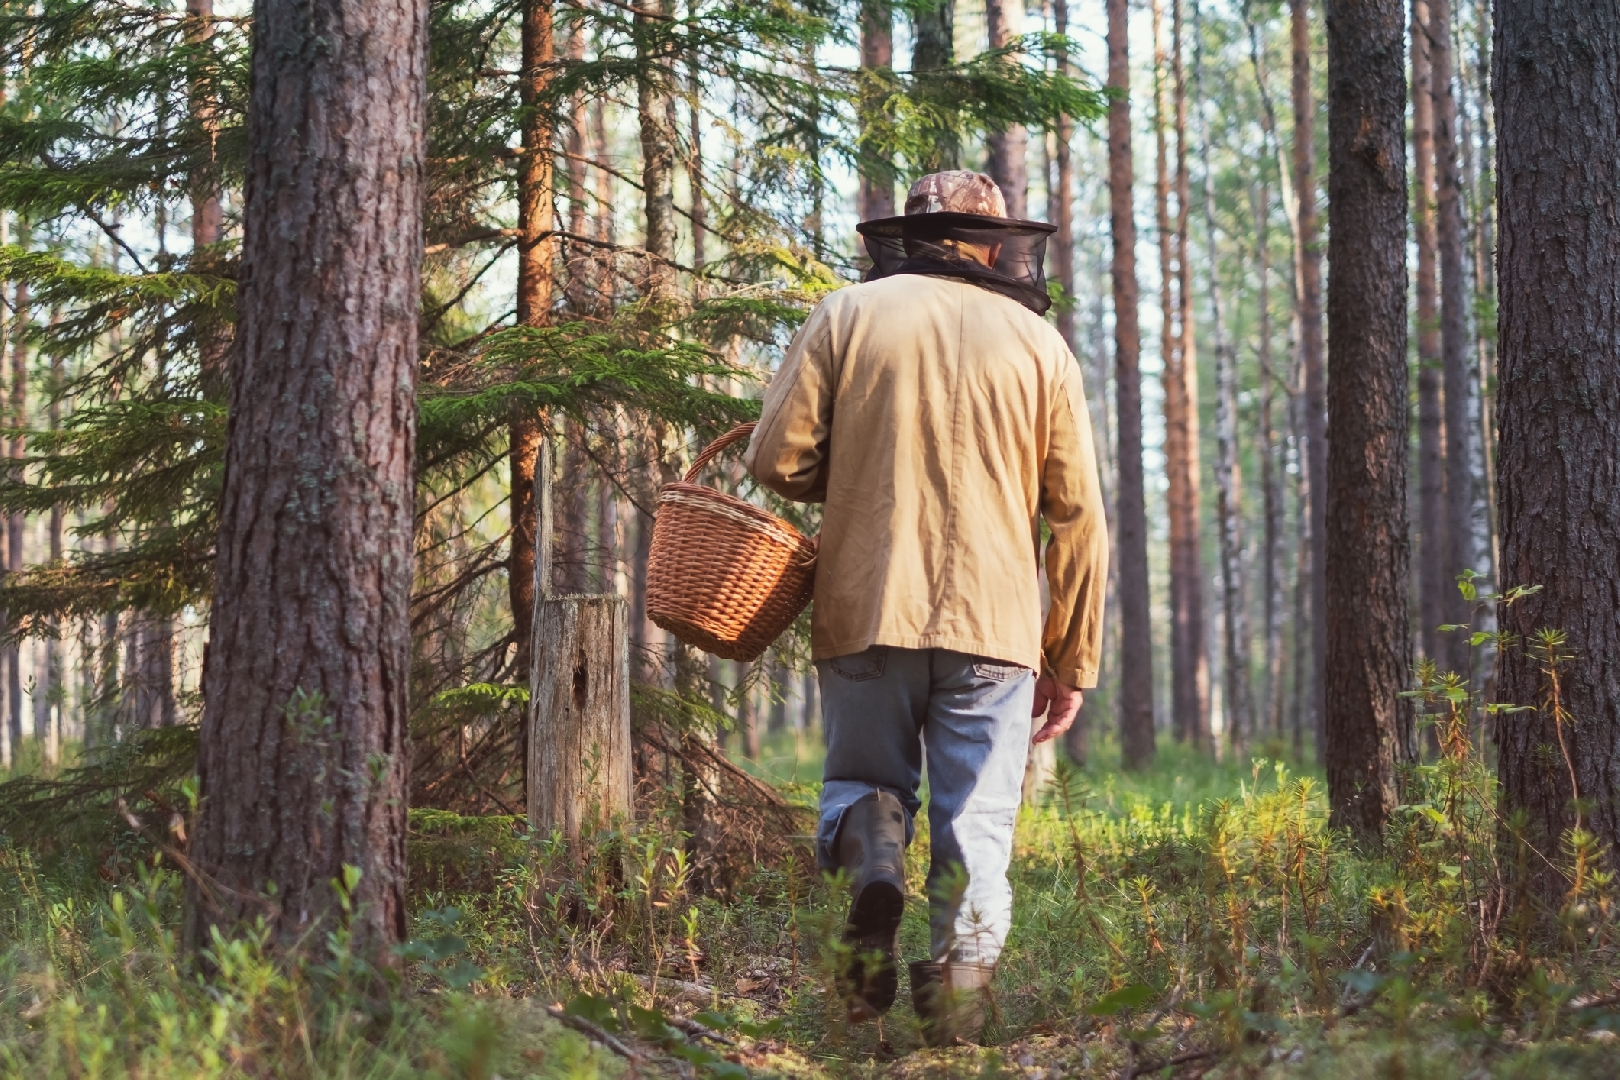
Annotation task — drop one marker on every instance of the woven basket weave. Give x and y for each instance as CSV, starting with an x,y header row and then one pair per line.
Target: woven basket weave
x,y
724,575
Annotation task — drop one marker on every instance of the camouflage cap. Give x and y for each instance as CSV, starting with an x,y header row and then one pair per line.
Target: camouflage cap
x,y
958,191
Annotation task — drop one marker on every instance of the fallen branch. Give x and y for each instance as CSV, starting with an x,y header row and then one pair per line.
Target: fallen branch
x,y
585,1027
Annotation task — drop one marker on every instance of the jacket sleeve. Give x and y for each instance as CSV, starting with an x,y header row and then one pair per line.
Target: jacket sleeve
x,y
1077,555
788,450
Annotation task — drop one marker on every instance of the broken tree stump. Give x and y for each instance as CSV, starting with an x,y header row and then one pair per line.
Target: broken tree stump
x,y
578,720
579,714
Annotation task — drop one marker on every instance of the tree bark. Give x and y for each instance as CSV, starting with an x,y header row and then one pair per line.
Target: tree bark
x,y
1189,650
16,523
1312,356
1136,737
1239,703
1270,476
1454,343
1433,583
933,50
579,716
875,198
655,110
1558,164
1007,159
1369,725
303,754
207,215
536,248
1062,193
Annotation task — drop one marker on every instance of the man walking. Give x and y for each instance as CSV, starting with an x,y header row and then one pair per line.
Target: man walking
x,y
939,419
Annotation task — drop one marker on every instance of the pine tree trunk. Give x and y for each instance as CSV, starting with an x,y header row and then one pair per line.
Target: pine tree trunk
x,y
1270,477
207,215
1061,196
875,199
303,743
933,50
1008,149
1189,651
1558,155
16,523
1239,703
1136,642
1312,355
1369,725
656,115
536,247
1433,583
1454,343
1169,308
582,293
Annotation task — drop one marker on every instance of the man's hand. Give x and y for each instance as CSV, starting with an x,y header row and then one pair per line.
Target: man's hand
x,y
1060,703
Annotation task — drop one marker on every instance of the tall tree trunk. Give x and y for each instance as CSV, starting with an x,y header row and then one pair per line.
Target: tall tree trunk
x,y
55,684
1239,692
933,50
16,523
1558,156
1485,290
655,110
1061,195
875,198
1006,159
1136,641
1433,582
536,247
1271,495
207,215
582,294
1169,308
1454,343
1369,725
1189,651
303,742
1312,356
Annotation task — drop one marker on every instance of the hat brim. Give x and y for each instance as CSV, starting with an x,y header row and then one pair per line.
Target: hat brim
x,y
942,223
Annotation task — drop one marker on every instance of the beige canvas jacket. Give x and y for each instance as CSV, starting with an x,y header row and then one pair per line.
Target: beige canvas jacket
x,y
938,422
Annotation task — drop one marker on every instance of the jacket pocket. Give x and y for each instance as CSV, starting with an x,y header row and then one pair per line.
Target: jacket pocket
x,y
996,671
861,666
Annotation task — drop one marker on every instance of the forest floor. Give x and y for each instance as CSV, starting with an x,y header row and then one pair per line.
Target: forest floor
x,y
1215,927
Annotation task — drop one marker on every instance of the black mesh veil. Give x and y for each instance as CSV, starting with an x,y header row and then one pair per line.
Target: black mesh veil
x,y
931,244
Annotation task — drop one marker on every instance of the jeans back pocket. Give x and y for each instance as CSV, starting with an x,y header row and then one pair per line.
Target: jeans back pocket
x,y
997,671
861,666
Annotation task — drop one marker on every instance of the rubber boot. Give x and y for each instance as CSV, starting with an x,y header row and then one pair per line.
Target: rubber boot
x,y
872,850
949,1000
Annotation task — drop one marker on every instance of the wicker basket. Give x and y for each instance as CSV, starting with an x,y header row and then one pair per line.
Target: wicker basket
x,y
724,575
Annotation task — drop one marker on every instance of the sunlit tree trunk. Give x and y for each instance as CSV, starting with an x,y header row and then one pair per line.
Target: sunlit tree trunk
x,y
1061,196
1454,344
1312,357
875,198
536,246
1189,651
1136,642
1433,583
1558,156
1008,150
1369,725
303,744
1270,709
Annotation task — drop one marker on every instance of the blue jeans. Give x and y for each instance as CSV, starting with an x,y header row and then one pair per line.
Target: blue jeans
x,y
879,707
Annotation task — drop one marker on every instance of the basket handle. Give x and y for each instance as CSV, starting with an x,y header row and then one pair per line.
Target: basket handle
x,y
712,451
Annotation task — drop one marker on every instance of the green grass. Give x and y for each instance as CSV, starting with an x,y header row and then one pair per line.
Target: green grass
x,y
1195,908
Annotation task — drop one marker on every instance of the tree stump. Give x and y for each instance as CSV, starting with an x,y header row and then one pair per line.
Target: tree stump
x,y
579,714
578,720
